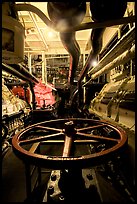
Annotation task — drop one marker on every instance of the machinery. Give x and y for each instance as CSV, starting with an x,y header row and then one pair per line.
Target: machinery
x,y
81,146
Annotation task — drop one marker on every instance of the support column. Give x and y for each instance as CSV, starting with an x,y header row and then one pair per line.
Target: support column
x,y
43,67
46,71
84,89
30,70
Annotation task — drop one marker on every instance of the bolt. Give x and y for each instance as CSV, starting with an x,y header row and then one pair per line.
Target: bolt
x,y
50,189
53,177
61,197
89,176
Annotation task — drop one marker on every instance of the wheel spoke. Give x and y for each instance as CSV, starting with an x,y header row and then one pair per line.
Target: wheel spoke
x,y
75,141
39,139
34,147
91,127
98,137
49,128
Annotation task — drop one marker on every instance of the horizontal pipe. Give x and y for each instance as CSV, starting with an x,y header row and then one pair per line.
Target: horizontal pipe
x,y
91,25
34,9
129,54
27,74
11,70
16,84
121,46
83,26
17,73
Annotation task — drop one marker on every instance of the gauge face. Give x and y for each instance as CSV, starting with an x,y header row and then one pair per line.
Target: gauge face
x,y
55,144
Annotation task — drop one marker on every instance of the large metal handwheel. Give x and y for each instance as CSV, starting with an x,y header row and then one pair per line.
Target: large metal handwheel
x,y
102,138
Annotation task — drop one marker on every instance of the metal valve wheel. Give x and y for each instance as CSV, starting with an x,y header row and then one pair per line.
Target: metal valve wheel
x,y
102,139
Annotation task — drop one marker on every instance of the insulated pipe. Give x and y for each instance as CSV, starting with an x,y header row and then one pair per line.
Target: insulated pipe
x,y
101,11
71,45
129,54
96,42
123,44
13,71
21,73
65,15
26,73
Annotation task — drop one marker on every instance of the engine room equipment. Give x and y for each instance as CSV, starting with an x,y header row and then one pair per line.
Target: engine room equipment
x,y
116,101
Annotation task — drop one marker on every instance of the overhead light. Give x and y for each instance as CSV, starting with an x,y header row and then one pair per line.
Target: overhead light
x,y
50,34
94,63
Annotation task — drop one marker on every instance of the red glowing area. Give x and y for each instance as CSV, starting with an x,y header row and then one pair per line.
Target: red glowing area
x,y
43,94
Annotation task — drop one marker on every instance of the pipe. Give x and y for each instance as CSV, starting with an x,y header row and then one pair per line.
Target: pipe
x,y
71,45
100,13
31,8
107,23
11,70
73,13
123,44
129,54
21,73
96,42
15,83
27,74
83,26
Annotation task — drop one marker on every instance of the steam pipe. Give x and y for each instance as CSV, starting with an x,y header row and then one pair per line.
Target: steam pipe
x,y
21,73
27,74
11,70
100,12
106,23
96,42
72,15
129,54
71,45
123,44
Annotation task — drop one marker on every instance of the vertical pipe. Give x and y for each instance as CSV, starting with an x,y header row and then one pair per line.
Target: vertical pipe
x,y
30,70
119,32
43,67
84,89
46,71
131,67
29,63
